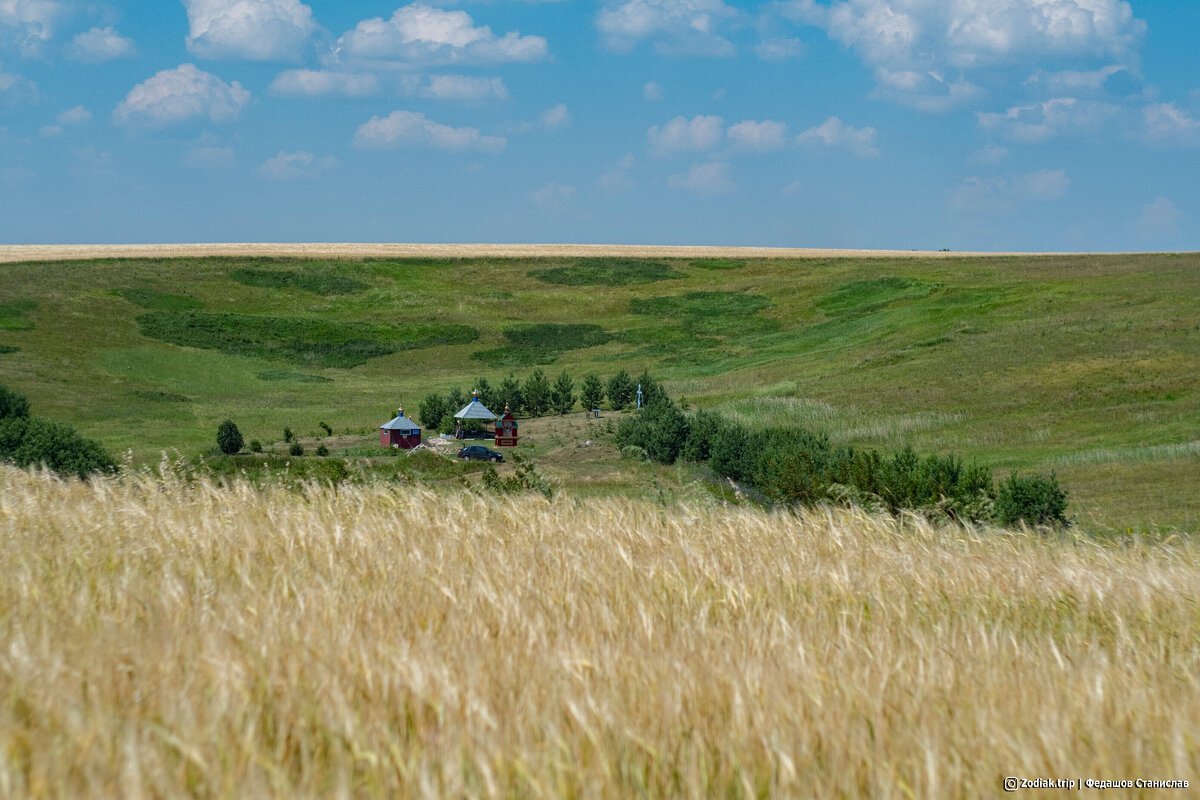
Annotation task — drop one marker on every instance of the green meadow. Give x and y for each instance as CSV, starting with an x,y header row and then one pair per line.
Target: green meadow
x,y
1084,365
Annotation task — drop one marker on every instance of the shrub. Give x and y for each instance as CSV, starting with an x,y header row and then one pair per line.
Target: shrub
x,y
591,392
328,430
702,429
288,436
620,390
32,442
229,438
525,478
433,410
730,452
788,466
12,405
255,446
321,450
536,394
660,430
562,394
1032,499
296,449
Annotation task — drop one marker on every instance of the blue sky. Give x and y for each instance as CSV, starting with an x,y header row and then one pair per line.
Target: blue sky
x,y
968,124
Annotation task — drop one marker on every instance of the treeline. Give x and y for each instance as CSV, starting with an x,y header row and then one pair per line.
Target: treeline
x,y
29,441
539,396
796,467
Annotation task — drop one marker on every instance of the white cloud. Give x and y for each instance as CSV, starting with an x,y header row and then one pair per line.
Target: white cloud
x,y
1041,121
1074,80
780,49
707,178
50,131
617,178
757,137
675,26
652,91
991,154
935,38
454,87
558,200
209,157
833,134
91,161
75,116
422,34
254,30
296,166
1003,194
16,89
556,117
1159,219
412,129
99,45
29,24
316,83
1167,123
174,95
682,135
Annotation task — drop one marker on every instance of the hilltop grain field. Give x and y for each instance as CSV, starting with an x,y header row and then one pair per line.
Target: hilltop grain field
x,y
1084,365
170,639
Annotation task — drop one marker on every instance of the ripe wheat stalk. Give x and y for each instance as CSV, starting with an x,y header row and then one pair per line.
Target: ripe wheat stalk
x,y
162,638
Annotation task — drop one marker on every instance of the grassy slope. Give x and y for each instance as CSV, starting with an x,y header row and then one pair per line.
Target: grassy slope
x,y
1081,364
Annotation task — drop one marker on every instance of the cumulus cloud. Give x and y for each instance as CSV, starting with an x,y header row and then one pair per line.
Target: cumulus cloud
x,y
175,95
674,26
300,165
833,134
413,129
757,137
1075,80
316,83
1041,121
77,115
16,89
254,30
422,34
653,90
991,154
617,178
1159,219
779,49
928,47
99,45
707,178
209,157
556,117
454,87
682,135
1167,123
29,24
1002,194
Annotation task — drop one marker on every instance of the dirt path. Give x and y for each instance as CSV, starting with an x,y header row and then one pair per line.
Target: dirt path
x,y
35,252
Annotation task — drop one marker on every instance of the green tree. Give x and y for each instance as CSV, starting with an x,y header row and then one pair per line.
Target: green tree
x,y
1032,499
12,405
562,395
591,392
620,389
536,394
229,438
433,410
660,430
487,394
509,393
455,401
652,391
35,442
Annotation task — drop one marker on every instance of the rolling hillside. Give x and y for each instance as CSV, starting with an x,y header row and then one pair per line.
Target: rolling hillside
x,y
1081,364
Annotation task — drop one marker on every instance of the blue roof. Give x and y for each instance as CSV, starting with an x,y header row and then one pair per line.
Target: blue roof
x,y
400,423
475,410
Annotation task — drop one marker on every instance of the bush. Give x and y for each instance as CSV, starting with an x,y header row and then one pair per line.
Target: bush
x,y
328,430
255,446
562,394
33,442
296,449
788,466
536,394
702,429
229,438
591,392
288,436
730,452
620,390
321,450
12,405
433,410
1032,499
661,430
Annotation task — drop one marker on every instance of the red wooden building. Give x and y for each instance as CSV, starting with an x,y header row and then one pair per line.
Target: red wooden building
x,y
400,432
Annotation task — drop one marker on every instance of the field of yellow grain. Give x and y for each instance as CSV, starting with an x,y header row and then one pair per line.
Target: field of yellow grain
x,y
162,639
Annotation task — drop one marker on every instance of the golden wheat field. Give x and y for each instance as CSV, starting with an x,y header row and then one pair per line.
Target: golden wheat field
x,y
160,638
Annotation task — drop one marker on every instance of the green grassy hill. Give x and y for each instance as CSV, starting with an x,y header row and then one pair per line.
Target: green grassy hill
x,y
1084,365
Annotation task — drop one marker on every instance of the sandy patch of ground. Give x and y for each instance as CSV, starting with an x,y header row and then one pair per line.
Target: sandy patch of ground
x,y
35,252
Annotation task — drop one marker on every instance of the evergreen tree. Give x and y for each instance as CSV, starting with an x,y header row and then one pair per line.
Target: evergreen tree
x,y
487,395
12,405
621,389
562,396
229,438
591,392
509,393
455,401
433,410
536,394
652,391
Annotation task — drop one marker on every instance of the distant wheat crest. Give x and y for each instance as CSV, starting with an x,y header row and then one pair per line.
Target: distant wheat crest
x,y
164,638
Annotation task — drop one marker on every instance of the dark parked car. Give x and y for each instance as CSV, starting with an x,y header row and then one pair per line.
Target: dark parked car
x,y
478,452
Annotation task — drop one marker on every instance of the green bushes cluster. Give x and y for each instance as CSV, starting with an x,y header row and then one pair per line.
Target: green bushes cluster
x,y
790,466
30,441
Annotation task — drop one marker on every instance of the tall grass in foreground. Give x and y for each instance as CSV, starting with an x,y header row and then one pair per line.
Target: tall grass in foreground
x,y
167,639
